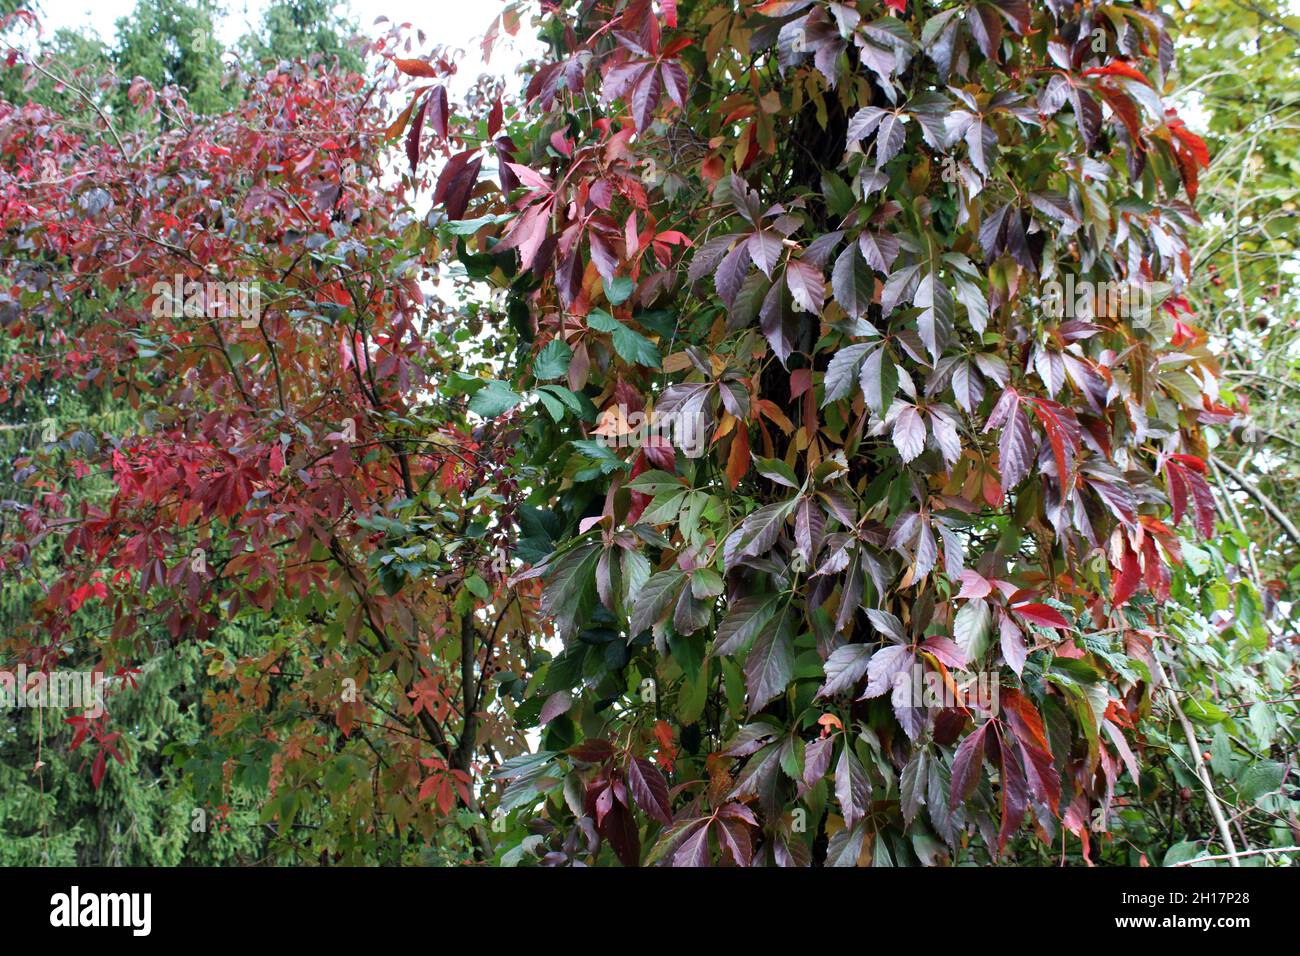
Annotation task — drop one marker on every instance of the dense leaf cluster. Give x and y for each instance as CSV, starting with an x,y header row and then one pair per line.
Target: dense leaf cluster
x,y
779,435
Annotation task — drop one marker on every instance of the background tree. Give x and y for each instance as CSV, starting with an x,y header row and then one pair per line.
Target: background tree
x,y
174,42
298,29
150,809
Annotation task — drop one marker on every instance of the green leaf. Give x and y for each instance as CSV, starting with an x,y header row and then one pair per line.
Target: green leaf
x,y
494,399
553,360
554,407
844,668
1260,779
579,404
1181,852
570,594
655,597
665,507
744,619
768,667
619,290
839,197
842,371
971,628
467,227
631,346
655,481
879,381
694,695
601,455
1204,711
778,471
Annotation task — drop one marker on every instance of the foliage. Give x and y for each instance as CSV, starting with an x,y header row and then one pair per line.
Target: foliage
x,y
915,466
1245,261
459,591
55,808
298,29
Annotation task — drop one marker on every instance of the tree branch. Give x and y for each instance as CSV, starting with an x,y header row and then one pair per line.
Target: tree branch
x,y
1202,771
1263,500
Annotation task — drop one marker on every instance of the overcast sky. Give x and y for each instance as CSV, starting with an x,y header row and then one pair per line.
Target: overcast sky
x,y
456,23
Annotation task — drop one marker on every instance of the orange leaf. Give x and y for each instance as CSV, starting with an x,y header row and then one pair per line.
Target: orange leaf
x,y
1117,68
738,460
414,67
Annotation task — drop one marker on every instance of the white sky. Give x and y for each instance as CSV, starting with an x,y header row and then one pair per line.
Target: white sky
x,y
454,23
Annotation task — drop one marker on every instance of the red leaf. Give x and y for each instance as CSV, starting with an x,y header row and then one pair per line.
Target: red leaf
x,y
1126,110
974,585
1062,428
1014,796
645,97
966,766
555,705
1125,582
806,285
1016,445
1184,473
738,457
619,828
457,182
1125,752
1187,169
592,751
649,789
1157,575
734,837
694,849
399,124
1203,500
413,135
1012,642
1117,68
528,233
1042,776
438,115
1177,488
675,81
97,769
1042,614
1025,721
945,650
530,177
1193,143
495,117
414,67
1191,461
659,451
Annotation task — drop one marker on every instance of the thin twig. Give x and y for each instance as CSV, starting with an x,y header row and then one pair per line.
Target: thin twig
x,y
1201,770
1237,856
1263,500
